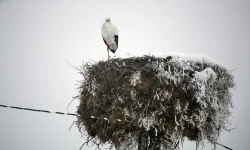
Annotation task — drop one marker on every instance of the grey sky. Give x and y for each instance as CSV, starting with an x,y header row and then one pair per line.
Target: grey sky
x,y
37,37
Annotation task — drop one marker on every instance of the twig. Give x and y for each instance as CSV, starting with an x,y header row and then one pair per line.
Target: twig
x,y
70,103
176,145
87,142
229,130
223,146
73,66
72,124
82,145
233,69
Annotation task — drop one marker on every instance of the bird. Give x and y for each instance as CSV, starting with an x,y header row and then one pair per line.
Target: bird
x,y
110,35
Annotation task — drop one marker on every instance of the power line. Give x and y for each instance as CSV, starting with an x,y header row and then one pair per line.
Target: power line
x,y
38,110
60,113
72,114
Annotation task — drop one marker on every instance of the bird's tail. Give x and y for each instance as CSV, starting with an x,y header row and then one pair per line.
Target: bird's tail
x,y
113,51
113,48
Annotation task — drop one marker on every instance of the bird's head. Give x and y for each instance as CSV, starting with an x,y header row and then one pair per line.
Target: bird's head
x,y
107,20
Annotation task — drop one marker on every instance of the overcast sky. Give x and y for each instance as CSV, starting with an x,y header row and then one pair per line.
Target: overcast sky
x,y
38,36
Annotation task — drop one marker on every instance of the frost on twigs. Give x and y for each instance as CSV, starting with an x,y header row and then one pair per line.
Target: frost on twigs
x,y
139,102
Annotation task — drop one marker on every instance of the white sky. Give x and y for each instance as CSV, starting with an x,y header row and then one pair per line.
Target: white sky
x,y
37,37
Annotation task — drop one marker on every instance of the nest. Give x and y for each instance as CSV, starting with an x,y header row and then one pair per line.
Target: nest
x,y
123,98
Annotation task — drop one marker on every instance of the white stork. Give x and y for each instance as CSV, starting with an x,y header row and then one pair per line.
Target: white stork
x,y
110,35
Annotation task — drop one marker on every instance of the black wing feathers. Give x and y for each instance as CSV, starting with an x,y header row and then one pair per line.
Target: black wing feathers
x,y
116,39
116,42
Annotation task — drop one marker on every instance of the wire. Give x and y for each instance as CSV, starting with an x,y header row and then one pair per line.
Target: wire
x,y
72,114
60,113
39,110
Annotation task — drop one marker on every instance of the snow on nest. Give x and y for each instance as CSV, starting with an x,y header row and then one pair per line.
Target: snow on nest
x,y
205,74
177,56
208,96
130,143
135,78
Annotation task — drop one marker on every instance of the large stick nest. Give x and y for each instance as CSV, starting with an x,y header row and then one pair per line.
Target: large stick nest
x,y
173,99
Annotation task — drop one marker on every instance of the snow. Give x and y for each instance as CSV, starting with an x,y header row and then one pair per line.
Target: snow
x,y
120,99
205,74
133,94
162,74
93,87
147,122
135,78
178,56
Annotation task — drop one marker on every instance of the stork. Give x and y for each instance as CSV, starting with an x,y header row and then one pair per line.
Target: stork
x,y
110,35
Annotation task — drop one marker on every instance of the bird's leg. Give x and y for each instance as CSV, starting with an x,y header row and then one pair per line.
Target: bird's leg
x,y
108,52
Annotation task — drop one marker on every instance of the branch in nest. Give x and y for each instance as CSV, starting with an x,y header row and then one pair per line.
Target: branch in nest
x,y
223,146
87,142
175,147
74,122
229,130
